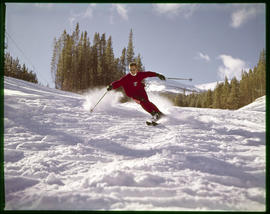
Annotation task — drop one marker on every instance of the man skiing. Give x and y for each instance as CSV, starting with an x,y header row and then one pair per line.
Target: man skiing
x,y
134,88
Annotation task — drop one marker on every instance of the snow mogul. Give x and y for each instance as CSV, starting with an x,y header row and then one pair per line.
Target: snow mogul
x,y
134,88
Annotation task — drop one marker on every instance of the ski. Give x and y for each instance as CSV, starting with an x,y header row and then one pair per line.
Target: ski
x,y
151,123
155,118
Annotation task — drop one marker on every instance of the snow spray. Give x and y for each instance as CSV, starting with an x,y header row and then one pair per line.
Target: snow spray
x,y
163,103
93,95
113,97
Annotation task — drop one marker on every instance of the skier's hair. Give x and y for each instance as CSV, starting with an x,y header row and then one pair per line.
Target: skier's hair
x,y
132,64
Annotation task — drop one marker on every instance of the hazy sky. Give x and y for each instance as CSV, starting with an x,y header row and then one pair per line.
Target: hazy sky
x,y
199,41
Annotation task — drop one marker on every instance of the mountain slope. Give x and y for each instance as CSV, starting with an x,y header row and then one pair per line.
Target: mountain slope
x,y
60,156
208,86
258,105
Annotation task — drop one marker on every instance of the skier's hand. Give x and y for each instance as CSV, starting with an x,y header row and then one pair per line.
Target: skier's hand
x,y
109,87
160,76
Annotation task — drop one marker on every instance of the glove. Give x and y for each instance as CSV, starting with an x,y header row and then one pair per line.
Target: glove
x,y
160,76
109,87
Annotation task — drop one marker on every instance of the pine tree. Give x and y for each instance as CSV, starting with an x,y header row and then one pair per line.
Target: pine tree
x,y
60,71
234,97
178,101
138,61
109,60
118,73
71,77
123,60
130,48
54,59
87,79
23,73
250,86
209,99
243,89
77,63
217,103
225,93
192,100
76,34
261,83
198,102
101,67
96,60
16,67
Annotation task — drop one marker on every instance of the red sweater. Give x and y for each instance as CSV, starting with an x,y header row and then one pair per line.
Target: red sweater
x,y
133,85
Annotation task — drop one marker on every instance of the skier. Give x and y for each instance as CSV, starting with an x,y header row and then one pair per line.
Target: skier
x,y
134,88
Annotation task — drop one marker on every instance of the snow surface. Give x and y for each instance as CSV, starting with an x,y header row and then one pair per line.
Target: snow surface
x,y
59,156
258,105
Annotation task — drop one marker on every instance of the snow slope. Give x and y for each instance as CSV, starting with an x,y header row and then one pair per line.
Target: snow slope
x,y
258,105
58,156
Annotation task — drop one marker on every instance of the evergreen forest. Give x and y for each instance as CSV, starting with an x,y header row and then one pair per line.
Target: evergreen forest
x,y
13,68
79,64
232,94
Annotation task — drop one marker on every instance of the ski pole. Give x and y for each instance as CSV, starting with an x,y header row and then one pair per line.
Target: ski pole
x,y
171,78
92,109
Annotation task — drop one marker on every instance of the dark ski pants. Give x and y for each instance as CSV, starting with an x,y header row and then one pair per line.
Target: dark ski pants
x,y
145,103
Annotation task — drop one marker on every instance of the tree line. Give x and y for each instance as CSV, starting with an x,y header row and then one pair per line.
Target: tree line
x,y
13,68
77,64
230,95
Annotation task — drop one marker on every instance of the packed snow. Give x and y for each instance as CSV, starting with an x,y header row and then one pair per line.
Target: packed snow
x,y
59,156
258,105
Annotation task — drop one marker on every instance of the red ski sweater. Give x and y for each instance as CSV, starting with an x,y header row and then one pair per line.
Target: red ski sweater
x,y
133,85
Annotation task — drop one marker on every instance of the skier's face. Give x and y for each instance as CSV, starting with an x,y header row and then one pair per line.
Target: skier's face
x,y
133,70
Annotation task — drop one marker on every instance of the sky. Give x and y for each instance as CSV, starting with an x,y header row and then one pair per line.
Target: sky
x,y
205,42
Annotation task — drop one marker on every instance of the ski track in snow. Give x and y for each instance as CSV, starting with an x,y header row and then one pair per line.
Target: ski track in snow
x,y
59,156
